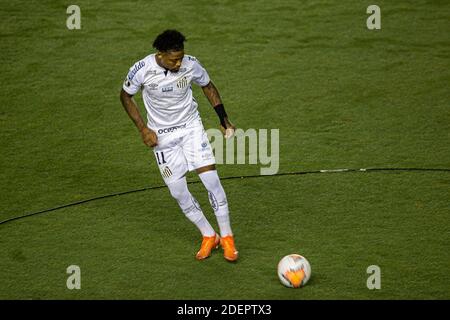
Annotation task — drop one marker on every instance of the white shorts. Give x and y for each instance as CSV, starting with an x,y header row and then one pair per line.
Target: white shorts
x,y
185,149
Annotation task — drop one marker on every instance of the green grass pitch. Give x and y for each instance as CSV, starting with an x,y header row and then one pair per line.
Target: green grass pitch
x,y
341,95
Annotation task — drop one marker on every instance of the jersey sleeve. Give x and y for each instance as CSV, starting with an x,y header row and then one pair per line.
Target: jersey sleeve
x,y
199,76
134,78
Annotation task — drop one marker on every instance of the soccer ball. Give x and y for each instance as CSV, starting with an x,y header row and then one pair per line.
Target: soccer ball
x,y
294,271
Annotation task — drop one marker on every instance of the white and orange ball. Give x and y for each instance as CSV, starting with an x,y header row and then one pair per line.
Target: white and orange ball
x,y
294,271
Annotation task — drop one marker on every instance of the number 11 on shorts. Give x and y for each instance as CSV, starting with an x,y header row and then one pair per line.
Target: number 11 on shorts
x,y
160,158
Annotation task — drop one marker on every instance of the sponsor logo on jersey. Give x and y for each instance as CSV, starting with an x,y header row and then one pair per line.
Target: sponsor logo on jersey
x,y
182,82
150,72
152,86
136,68
166,172
192,58
171,129
204,144
167,89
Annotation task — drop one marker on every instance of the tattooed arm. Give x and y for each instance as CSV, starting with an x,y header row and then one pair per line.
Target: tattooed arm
x,y
213,97
148,136
212,94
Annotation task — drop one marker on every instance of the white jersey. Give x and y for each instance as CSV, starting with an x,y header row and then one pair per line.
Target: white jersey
x,y
167,95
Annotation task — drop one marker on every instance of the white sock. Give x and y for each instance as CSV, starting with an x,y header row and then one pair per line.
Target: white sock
x,y
218,200
190,206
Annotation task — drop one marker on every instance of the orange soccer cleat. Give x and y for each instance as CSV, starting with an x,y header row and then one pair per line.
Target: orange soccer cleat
x,y
208,244
229,250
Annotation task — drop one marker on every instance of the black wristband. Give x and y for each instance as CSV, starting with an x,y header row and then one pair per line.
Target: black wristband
x,y
220,110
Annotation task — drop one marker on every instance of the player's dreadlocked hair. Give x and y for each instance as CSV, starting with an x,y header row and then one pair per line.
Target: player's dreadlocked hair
x,y
169,40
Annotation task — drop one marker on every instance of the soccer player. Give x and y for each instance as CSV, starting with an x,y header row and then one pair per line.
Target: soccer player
x,y
175,131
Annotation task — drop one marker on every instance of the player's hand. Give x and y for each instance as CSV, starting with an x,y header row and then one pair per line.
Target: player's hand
x,y
149,137
228,132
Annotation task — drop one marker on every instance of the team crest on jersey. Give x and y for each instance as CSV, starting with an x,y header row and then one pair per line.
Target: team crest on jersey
x,y
182,83
166,172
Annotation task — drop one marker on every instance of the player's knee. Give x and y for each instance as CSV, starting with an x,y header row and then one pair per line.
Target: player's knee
x,y
179,190
179,195
218,192
211,181
216,186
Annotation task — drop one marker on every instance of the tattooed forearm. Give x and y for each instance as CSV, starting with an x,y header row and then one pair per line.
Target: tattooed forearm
x,y
131,108
212,94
